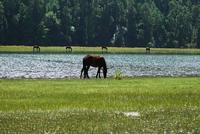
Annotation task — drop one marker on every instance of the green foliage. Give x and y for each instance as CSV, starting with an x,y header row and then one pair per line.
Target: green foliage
x,y
3,23
118,74
198,38
166,23
179,24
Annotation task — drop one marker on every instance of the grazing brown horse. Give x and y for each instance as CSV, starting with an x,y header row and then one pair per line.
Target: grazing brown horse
x,y
94,61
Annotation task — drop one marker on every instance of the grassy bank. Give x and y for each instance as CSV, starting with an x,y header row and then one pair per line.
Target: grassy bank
x,y
28,49
164,105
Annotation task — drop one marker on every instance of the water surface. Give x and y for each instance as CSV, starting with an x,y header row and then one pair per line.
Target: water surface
x,y
69,65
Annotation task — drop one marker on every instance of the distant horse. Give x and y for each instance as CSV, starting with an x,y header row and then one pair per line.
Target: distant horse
x,y
68,49
148,49
94,61
37,48
104,48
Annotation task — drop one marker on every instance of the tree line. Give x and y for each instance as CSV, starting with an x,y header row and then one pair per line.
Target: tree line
x,y
124,23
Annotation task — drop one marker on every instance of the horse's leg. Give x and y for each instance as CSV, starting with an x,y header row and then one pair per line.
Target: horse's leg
x,y
88,67
98,73
85,69
81,72
85,72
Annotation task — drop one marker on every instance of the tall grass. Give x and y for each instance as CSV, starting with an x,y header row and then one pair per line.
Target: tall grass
x,y
166,105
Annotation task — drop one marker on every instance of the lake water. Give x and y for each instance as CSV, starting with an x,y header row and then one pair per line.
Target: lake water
x,y
69,65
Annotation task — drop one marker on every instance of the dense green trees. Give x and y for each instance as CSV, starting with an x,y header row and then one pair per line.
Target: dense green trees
x,y
3,23
131,23
198,38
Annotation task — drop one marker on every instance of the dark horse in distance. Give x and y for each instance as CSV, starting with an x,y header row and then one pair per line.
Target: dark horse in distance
x,y
94,61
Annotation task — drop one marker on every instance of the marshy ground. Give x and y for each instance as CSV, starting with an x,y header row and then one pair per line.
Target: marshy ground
x,y
163,104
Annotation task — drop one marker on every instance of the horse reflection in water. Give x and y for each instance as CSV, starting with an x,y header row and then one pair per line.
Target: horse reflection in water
x,y
94,61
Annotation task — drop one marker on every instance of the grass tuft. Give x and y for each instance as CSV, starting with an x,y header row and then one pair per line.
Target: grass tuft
x,y
118,74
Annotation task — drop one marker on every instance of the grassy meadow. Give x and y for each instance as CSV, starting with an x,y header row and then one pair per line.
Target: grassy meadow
x,y
162,104
77,49
131,105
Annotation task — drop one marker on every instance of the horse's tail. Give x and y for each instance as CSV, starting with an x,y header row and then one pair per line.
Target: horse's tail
x,y
104,67
84,66
104,62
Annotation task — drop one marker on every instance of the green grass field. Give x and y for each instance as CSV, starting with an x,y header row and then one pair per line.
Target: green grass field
x,y
29,49
164,105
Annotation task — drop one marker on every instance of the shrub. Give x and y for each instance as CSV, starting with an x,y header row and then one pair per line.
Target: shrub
x,y
118,74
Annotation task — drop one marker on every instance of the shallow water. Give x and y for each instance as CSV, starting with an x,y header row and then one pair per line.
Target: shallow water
x,y
69,65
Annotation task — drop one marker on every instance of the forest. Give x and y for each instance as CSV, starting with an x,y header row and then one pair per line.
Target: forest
x,y
116,23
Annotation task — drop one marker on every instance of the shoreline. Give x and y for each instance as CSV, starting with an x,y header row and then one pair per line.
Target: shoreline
x,y
97,50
